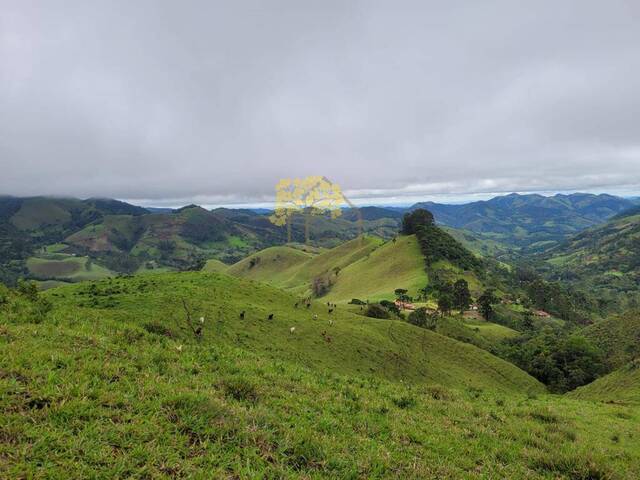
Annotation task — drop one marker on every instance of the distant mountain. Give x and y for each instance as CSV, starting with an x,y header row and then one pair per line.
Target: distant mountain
x,y
533,221
53,238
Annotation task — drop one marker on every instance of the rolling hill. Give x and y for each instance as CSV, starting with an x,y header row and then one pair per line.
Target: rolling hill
x,y
113,383
620,386
605,258
618,337
367,269
396,264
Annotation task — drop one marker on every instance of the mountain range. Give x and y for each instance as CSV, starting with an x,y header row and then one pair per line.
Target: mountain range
x,y
532,222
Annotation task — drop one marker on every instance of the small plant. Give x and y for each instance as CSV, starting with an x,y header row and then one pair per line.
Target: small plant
x,y
404,402
241,389
158,329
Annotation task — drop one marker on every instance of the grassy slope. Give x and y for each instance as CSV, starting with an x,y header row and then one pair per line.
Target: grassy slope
x,y
618,337
393,350
394,265
273,265
214,265
293,269
88,393
340,256
623,385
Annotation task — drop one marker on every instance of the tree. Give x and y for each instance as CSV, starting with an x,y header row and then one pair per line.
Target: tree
x,y
422,318
461,295
445,302
401,294
413,220
486,302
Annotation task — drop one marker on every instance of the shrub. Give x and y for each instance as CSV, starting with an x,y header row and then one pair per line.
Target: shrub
x,y
240,388
158,329
422,318
375,310
357,301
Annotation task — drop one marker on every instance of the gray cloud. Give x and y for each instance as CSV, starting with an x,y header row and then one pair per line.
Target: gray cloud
x,y
215,101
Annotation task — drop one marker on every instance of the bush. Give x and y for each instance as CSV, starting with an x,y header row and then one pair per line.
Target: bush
x,y
158,329
422,318
240,388
390,306
357,301
375,310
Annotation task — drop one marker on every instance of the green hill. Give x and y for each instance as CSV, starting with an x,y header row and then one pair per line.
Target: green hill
x,y
621,386
368,269
274,265
111,383
294,269
604,260
618,337
396,264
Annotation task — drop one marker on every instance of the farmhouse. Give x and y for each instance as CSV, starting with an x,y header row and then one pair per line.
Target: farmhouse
x,y
405,305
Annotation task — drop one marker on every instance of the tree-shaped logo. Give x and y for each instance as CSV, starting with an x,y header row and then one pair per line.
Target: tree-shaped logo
x,y
308,196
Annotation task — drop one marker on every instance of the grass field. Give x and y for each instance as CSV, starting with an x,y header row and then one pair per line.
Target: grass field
x,y
111,384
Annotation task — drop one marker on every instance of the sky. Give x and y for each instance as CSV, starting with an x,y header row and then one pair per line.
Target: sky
x,y
212,102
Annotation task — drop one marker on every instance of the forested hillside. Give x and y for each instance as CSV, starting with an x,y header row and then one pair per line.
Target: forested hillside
x,y
532,221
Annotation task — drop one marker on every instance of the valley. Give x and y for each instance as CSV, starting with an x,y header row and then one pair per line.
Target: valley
x,y
425,341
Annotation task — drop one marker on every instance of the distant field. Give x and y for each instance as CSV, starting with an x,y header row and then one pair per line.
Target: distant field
x,y
492,332
67,267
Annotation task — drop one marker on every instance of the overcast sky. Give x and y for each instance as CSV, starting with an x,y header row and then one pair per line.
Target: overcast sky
x,y
172,102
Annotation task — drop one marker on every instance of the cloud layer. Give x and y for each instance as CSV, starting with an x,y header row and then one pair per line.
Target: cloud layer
x,y
215,101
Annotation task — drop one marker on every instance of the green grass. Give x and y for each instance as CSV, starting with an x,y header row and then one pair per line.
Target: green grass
x,y
618,336
492,332
273,265
214,265
389,349
393,265
110,386
621,386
